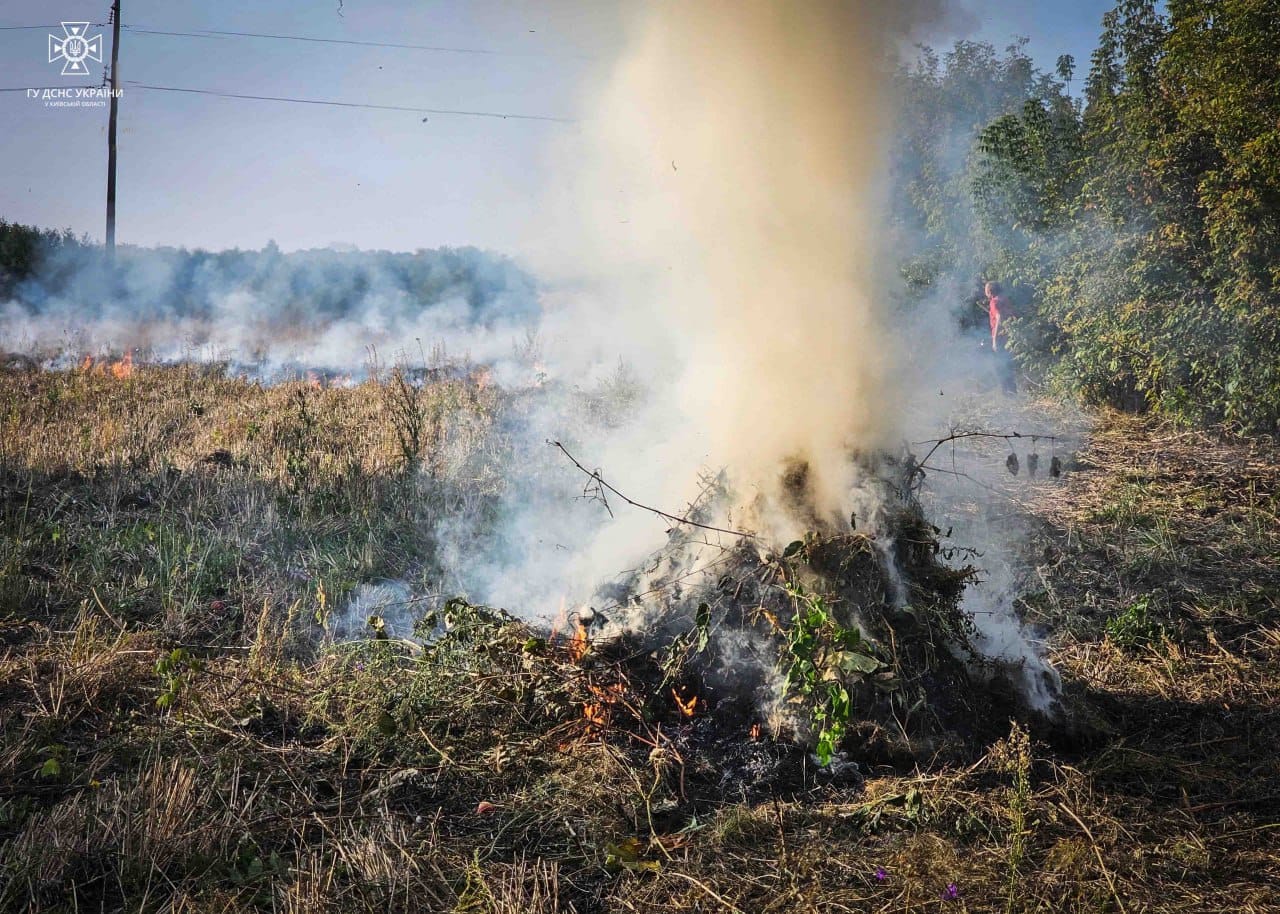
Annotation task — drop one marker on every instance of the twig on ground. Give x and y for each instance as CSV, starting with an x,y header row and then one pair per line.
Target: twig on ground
x,y
1097,851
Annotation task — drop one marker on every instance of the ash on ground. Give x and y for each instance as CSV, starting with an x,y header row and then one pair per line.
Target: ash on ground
x,y
790,664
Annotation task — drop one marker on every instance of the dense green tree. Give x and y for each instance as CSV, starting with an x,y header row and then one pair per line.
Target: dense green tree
x,y
1149,227
1220,65
24,250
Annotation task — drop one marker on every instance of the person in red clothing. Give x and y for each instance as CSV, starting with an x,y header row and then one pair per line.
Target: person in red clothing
x,y
997,310
997,307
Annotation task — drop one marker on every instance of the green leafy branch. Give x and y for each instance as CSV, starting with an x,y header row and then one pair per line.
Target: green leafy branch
x,y
826,659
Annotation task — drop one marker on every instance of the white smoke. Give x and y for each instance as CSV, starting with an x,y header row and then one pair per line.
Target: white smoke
x,y
720,238
269,313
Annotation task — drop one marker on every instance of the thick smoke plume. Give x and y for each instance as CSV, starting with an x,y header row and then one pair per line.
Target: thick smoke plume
x,y
733,177
714,294
733,180
717,233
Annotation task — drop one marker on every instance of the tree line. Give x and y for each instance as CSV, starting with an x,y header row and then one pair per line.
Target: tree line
x,y
44,272
1136,224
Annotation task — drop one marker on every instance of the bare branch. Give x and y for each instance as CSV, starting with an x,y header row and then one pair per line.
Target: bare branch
x,y
665,515
957,436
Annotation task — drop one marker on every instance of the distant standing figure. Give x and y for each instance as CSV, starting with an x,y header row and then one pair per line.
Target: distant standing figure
x,y
997,310
997,306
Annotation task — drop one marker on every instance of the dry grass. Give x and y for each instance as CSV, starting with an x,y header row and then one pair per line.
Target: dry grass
x,y
182,510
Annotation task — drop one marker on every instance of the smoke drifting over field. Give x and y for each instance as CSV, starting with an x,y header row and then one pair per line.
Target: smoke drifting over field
x,y
268,312
715,298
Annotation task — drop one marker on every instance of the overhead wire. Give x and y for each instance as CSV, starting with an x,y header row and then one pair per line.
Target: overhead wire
x,y
340,104
224,33
19,28
218,34
457,112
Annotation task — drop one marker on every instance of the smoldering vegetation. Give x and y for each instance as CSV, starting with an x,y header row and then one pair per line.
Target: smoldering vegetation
x,y
181,699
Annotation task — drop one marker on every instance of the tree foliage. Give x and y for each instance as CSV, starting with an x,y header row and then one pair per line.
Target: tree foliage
x,y
25,250
945,102
1147,223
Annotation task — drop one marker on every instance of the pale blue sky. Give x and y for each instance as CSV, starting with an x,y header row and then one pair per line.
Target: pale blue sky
x,y
215,172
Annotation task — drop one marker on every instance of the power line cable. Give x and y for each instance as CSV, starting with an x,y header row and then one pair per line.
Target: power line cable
x,y
339,104
43,88
222,33
216,33
141,31
19,28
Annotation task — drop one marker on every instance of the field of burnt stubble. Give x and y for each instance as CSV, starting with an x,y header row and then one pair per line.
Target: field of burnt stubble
x,y
179,733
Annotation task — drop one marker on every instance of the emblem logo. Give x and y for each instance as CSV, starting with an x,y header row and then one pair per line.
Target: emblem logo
x,y
74,47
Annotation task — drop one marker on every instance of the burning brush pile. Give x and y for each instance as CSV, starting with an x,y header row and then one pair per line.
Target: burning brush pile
x,y
763,669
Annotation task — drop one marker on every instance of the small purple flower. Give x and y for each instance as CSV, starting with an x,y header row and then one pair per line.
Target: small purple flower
x,y
951,892
881,875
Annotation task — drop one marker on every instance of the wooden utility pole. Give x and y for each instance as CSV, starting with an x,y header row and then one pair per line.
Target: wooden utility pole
x,y
111,130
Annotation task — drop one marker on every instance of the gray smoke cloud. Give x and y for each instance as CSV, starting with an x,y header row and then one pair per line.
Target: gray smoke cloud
x,y
267,312
716,291
724,235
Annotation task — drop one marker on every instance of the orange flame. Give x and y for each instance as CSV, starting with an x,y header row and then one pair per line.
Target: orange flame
x,y
579,644
599,713
119,370
123,368
686,707
755,732
596,714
